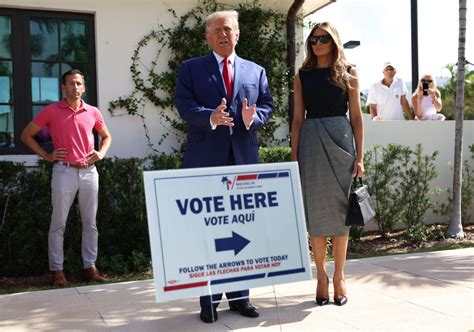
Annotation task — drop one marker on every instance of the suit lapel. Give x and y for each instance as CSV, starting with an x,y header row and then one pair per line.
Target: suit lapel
x,y
238,72
212,67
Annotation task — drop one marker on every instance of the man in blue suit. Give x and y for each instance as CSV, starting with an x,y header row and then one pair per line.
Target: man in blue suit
x,y
224,100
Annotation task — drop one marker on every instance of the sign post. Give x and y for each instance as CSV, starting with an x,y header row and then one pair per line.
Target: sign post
x,y
223,229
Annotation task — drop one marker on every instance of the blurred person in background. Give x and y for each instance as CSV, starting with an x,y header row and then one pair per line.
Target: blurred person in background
x,y
426,100
387,98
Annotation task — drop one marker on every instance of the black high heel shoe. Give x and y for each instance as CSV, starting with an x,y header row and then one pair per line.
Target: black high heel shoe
x,y
322,300
340,300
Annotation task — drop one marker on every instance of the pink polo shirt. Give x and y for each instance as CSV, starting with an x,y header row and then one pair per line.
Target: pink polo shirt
x,y
71,130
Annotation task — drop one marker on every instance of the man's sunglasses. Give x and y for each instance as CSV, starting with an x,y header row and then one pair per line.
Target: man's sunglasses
x,y
426,81
324,39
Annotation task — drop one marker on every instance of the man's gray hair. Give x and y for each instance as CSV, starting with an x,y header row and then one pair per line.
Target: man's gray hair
x,y
232,14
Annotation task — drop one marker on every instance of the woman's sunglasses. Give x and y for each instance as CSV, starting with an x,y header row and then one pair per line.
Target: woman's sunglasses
x,y
426,81
324,39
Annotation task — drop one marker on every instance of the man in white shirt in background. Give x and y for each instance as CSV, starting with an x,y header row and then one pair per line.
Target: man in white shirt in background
x,y
387,98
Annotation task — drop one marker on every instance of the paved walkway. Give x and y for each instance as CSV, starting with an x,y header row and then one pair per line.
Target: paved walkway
x,y
426,291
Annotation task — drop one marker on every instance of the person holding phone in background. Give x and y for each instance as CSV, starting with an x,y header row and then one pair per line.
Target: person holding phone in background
x,y
426,100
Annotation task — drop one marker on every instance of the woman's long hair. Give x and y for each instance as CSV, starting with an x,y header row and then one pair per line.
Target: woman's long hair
x,y
339,74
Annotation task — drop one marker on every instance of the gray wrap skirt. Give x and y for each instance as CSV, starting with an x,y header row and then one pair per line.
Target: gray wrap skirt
x,y
326,159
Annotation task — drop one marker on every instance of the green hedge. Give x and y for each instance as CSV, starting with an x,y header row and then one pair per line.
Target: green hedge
x,y
25,207
25,211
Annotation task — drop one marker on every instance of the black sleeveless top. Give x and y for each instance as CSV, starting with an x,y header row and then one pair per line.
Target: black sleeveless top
x,y
322,98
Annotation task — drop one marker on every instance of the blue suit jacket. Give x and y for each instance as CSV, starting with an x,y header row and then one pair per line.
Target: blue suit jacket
x,y
199,90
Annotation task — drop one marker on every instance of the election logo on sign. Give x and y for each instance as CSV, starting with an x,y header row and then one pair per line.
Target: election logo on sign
x,y
222,229
227,182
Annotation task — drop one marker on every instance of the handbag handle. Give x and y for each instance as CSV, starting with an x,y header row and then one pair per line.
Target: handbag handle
x,y
354,182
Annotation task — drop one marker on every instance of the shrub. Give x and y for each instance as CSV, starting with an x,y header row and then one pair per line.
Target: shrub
x,y
355,233
274,155
116,263
418,233
140,262
399,182
10,174
121,217
164,161
24,233
416,173
383,179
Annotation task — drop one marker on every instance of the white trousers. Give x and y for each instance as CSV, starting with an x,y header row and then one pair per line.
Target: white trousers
x,y
65,183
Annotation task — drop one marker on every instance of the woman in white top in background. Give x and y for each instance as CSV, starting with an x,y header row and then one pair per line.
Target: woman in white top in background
x,y
426,100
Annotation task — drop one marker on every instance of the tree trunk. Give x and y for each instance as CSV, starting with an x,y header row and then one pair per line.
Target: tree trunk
x,y
455,227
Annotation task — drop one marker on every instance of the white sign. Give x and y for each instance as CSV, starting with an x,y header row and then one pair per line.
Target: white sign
x,y
223,229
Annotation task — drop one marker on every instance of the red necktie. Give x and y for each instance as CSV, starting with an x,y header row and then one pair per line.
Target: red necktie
x,y
226,74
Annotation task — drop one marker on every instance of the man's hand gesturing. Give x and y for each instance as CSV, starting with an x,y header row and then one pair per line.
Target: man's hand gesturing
x,y
248,113
220,117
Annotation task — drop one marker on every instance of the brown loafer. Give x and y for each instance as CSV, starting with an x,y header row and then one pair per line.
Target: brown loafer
x,y
59,279
92,274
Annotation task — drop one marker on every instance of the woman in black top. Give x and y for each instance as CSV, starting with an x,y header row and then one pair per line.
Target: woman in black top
x,y
322,141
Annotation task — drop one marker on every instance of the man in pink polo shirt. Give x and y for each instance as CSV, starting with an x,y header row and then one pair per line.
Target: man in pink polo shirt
x,y
70,124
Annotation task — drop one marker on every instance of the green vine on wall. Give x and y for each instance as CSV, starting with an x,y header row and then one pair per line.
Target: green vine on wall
x,y
261,40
